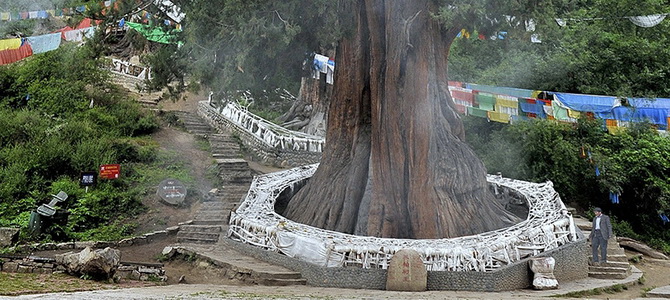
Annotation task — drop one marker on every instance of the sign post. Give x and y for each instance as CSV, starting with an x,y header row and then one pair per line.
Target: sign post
x,y
87,179
112,171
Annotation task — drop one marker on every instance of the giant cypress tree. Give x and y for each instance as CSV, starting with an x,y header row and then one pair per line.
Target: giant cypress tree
x,y
396,163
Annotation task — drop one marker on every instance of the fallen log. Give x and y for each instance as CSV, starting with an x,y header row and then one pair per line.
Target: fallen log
x,y
640,247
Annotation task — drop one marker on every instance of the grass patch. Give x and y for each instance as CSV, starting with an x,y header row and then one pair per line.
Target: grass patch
x,y
12,284
168,164
202,144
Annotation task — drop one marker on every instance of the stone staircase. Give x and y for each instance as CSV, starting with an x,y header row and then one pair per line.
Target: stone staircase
x,y
194,124
235,174
200,237
241,267
616,267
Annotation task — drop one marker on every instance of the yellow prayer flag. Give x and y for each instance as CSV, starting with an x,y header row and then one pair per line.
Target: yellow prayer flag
x,y
10,44
574,114
507,101
535,94
498,116
4,16
614,129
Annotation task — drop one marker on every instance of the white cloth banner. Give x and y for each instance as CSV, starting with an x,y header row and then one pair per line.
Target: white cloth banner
x,y
647,21
309,250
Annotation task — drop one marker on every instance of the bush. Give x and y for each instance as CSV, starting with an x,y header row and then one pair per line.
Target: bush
x,y
49,134
632,163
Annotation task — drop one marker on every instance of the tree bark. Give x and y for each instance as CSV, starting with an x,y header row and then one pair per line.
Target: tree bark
x,y
395,163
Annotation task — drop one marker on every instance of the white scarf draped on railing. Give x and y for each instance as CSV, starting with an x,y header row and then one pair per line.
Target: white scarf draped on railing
x,y
271,134
548,226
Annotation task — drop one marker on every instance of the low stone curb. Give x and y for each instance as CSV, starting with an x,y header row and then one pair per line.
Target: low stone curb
x,y
137,240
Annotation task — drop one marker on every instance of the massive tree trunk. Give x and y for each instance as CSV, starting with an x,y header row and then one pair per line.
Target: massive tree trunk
x,y
395,163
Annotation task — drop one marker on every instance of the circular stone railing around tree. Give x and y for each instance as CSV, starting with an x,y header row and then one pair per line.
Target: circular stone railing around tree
x,y
548,226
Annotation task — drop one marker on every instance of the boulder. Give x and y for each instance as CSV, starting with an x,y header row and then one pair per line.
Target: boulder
x,y
543,268
99,263
8,236
406,272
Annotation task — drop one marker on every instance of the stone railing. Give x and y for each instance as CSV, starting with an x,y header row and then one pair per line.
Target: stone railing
x,y
548,226
269,143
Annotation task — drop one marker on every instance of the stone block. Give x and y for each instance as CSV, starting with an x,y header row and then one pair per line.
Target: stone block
x,y
24,269
134,275
8,236
48,265
83,245
126,268
172,230
148,270
125,242
65,246
103,244
406,272
160,234
27,263
140,240
149,237
125,274
48,246
10,267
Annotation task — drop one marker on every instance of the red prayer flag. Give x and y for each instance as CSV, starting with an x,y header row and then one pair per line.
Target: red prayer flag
x,y
13,55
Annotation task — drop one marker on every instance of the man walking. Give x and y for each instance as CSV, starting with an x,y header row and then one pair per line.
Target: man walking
x,y
600,233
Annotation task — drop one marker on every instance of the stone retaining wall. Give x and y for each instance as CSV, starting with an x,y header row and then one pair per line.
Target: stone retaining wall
x,y
571,264
257,148
27,265
137,240
49,266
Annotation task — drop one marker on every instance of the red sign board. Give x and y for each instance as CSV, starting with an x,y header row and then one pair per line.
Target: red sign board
x,y
110,171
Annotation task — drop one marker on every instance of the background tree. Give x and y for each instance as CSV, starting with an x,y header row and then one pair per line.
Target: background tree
x,y
604,53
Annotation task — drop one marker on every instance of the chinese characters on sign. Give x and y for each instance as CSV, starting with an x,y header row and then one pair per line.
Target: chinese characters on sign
x,y
87,178
110,171
172,191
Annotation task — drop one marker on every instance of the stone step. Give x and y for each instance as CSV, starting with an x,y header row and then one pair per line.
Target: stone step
x,y
223,137
221,154
200,229
613,258
608,275
605,269
232,164
660,292
215,205
201,234
238,265
236,179
197,240
194,122
612,264
215,220
224,148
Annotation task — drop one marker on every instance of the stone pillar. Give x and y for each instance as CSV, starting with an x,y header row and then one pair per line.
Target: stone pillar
x,y
406,272
543,268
